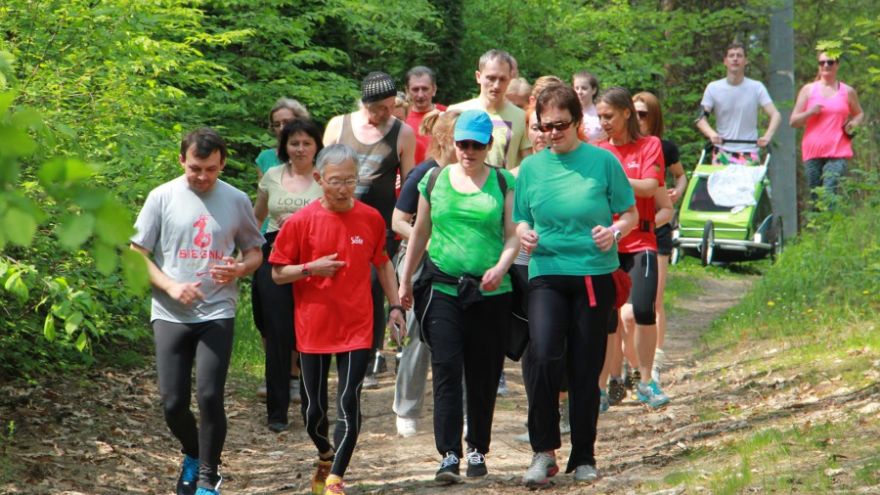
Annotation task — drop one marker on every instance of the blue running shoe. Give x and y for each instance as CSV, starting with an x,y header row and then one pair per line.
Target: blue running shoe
x,y
604,405
651,395
210,491
189,476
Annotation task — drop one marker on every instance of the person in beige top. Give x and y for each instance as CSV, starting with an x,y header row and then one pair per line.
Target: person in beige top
x,y
283,191
510,142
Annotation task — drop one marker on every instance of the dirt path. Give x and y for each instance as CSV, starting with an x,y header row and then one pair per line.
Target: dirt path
x,y
104,433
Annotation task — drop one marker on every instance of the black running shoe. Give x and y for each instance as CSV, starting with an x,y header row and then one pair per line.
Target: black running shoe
x,y
476,463
448,472
616,391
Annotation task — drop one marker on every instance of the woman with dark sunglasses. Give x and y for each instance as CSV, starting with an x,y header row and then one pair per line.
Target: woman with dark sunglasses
x,y
651,124
566,198
642,161
829,111
465,209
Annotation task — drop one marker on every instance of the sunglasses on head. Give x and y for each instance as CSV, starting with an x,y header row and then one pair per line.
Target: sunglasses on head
x,y
642,113
558,126
829,63
470,145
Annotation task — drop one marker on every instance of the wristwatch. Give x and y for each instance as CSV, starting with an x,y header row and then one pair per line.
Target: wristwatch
x,y
616,232
305,269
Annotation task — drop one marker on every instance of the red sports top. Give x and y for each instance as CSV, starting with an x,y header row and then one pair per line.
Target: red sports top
x,y
333,314
414,120
641,159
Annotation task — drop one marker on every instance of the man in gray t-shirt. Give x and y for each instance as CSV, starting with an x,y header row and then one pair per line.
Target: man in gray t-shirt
x,y
188,230
735,101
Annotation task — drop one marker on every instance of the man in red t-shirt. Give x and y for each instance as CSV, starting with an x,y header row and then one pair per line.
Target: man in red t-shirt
x,y
326,250
421,86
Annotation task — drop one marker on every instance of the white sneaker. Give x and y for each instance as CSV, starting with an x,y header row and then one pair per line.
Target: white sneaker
x,y
659,365
294,391
406,427
370,382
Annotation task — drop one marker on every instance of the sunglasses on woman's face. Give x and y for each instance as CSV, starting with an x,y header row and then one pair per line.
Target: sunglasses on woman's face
x,y
828,63
470,145
642,114
558,126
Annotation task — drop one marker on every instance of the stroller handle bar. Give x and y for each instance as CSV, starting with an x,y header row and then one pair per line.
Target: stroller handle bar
x,y
710,144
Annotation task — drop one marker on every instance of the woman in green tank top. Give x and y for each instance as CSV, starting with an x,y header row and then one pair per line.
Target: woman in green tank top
x,y
465,210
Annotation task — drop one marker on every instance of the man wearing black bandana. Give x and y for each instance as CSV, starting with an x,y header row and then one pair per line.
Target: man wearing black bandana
x,y
385,147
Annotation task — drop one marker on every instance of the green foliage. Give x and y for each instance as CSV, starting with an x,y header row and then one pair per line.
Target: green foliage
x,y
830,274
113,86
90,215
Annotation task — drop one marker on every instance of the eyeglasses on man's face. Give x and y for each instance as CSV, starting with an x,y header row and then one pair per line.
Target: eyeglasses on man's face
x,y
827,63
341,182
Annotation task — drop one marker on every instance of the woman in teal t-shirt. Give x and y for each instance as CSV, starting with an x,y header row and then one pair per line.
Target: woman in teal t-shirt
x,y
466,212
566,199
285,111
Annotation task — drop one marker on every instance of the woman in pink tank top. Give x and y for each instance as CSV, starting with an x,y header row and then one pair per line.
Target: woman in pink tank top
x,y
829,111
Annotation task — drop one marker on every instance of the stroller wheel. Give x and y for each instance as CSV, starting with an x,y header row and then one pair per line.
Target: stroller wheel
x,y
707,246
777,245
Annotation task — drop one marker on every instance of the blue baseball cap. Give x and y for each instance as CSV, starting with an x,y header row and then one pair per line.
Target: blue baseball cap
x,y
473,125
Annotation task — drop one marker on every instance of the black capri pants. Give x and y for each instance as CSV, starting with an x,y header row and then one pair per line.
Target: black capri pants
x,y
641,267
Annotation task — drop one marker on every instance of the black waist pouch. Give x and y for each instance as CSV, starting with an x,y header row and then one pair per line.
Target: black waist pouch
x,y
467,286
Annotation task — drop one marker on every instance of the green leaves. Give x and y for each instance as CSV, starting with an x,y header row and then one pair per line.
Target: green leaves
x,y
16,286
18,226
73,230
134,267
114,223
49,327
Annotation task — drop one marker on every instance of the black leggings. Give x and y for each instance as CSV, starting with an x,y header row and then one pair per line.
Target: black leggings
x,y
642,269
273,316
470,341
209,344
350,368
568,329
519,276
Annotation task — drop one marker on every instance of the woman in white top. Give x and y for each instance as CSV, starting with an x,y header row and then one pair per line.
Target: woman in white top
x,y
283,191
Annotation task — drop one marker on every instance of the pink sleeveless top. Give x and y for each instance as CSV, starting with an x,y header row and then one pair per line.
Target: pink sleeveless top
x,y
823,135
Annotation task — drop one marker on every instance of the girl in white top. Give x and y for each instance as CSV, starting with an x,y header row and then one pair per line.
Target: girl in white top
x,y
587,87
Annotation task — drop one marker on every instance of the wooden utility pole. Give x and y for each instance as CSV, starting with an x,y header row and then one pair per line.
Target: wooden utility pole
x,y
783,166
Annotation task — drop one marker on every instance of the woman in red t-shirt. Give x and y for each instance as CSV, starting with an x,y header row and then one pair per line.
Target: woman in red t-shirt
x,y
642,160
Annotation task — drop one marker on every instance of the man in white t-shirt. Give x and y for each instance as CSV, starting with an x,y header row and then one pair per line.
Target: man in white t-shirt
x,y
190,231
510,141
735,101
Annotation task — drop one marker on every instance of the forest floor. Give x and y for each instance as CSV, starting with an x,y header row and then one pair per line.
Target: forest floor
x,y
103,431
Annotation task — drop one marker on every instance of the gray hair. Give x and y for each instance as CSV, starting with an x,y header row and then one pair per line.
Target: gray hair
x,y
501,55
335,154
419,71
298,109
